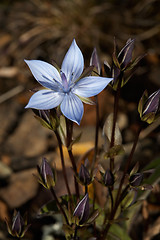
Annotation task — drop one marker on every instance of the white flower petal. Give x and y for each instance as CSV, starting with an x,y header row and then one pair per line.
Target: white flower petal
x,y
45,99
44,73
90,86
73,63
72,107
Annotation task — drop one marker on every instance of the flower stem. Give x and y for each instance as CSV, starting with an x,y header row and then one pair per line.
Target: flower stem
x,y
63,164
115,113
96,134
86,189
111,196
75,232
59,205
69,125
75,171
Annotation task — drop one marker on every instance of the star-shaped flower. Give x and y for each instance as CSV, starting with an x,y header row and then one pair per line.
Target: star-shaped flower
x,y
65,87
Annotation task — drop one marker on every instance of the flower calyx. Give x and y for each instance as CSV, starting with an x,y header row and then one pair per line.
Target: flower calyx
x,y
47,118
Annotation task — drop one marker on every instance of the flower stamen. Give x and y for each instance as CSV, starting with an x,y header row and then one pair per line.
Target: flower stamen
x,y
65,84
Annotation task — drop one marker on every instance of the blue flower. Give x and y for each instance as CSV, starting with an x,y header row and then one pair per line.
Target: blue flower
x,y
64,87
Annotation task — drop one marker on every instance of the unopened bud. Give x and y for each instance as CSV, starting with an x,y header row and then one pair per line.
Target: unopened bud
x,y
148,106
82,210
136,179
125,55
84,175
46,175
152,103
94,61
108,178
19,226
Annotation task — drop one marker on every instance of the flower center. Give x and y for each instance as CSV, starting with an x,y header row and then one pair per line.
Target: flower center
x,y
65,84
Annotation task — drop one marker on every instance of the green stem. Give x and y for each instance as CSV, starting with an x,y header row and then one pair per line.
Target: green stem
x,y
59,205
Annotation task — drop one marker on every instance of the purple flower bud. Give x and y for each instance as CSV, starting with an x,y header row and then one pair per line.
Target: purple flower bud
x,y
125,55
46,176
148,107
46,169
82,210
94,61
84,175
152,104
136,179
17,224
108,178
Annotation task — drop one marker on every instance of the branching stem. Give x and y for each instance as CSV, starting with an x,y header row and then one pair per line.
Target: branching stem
x,y
120,195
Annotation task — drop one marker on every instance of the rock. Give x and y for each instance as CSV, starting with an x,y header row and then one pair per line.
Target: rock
x,y
8,118
3,212
5,171
30,138
22,188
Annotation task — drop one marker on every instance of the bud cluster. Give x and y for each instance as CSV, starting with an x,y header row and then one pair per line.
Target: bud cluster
x,y
121,64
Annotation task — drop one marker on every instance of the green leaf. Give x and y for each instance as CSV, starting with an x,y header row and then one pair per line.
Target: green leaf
x,y
119,232
114,151
107,132
62,130
127,201
155,176
135,169
43,122
50,208
142,102
93,216
135,62
86,100
74,141
68,231
149,117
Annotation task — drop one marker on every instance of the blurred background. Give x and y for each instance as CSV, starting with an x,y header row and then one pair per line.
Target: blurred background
x,y
37,29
